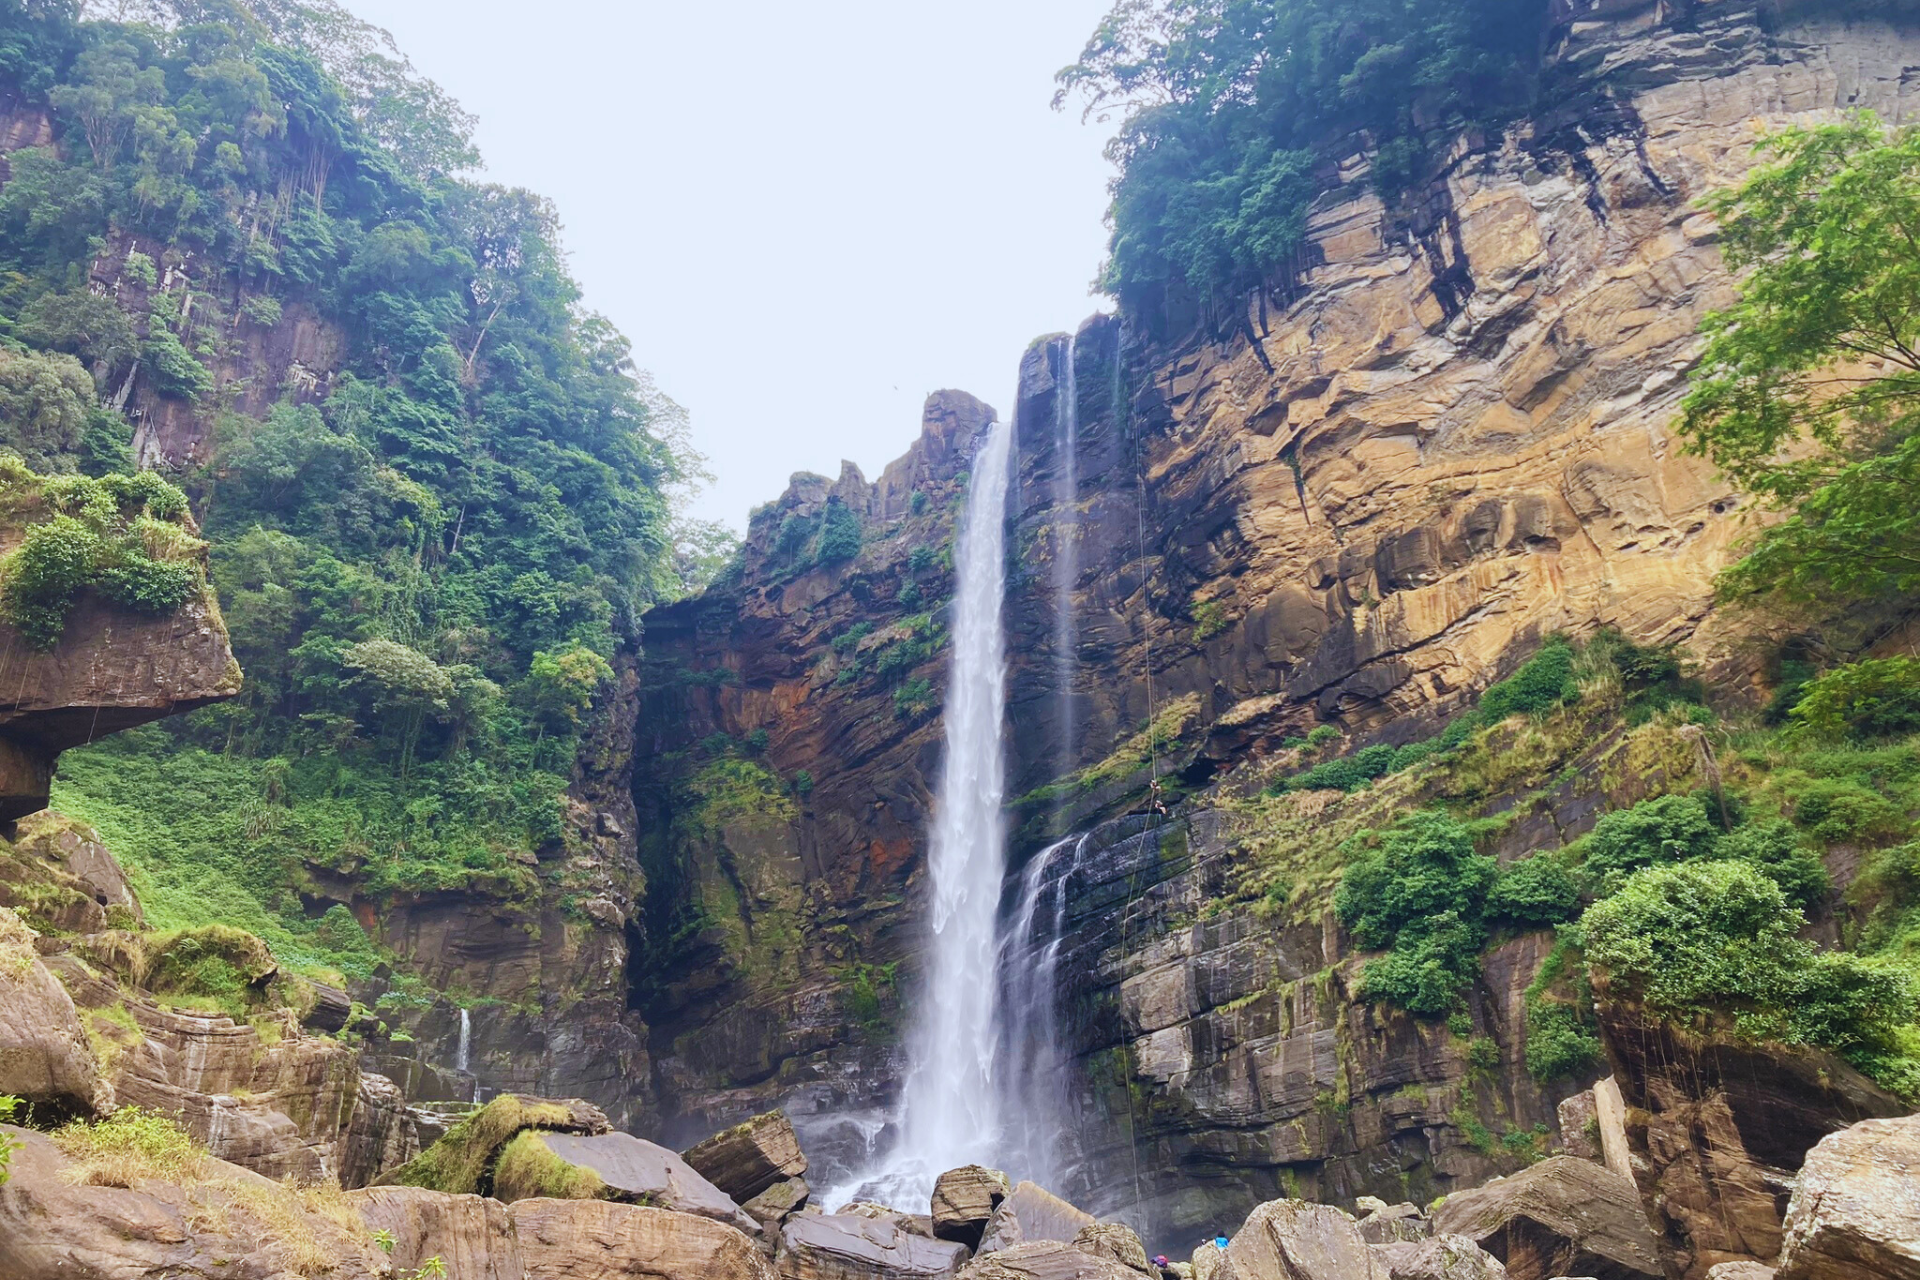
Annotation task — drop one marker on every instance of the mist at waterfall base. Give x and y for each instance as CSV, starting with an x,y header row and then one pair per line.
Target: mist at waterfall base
x,y
986,1082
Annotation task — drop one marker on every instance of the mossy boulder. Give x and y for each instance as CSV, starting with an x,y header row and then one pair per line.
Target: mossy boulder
x,y
464,1160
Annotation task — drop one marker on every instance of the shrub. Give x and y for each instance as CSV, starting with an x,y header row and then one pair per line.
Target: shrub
x,y
840,533
1544,682
1876,698
1423,895
1772,848
119,535
45,574
1534,893
1839,811
1667,829
920,559
796,531
1559,1043
174,369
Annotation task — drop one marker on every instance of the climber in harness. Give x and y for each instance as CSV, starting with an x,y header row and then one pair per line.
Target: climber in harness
x,y
1155,803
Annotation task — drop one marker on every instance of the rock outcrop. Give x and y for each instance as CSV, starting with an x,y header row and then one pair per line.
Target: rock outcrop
x,y
114,669
1855,1211
58,1221
631,1170
1717,1128
1562,1217
473,1237
45,1058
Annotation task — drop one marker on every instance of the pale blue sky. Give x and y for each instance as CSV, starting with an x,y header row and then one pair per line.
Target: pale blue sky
x,y
805,216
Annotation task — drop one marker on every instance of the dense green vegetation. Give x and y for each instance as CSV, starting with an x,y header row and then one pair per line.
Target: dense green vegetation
x,y
1688,902
1232,110
122,536
428,571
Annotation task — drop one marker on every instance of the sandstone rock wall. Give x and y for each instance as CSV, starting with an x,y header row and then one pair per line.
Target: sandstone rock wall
x,y
1367,497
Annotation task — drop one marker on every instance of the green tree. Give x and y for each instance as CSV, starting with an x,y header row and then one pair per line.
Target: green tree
x,y
1808,393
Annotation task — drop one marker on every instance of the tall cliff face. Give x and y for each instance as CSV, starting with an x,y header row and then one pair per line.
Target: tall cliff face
x,y
1449,436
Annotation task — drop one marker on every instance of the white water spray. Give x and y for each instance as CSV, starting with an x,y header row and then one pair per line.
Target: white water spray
x,y
1036,1050
950,1110
463,1052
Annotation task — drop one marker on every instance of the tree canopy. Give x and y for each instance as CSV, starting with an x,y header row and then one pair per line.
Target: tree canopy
x,y
427,569
1808,393
1231,109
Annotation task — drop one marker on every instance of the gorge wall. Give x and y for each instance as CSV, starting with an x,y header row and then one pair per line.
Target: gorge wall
x,y
1370,495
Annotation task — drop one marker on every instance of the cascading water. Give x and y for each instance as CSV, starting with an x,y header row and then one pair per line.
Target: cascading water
x,y
1036,1054
463,1052
950,1111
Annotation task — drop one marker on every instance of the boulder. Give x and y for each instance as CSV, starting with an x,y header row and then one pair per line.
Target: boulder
x,y
382,1134
44,1055
471,1235
1441,1258
1047,1260
772,1207
964,1200
56,1223
918,1224
750,1157
1741,1271
1293,1240
844,1246
1117,1242
599,1240
1030,1213
1392,1223
628,1169
1209,1260
1580,1127
1855,1210
461,1160
1564,1216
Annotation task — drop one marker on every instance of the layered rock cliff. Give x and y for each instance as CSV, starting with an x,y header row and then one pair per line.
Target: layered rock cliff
x,y
1449,435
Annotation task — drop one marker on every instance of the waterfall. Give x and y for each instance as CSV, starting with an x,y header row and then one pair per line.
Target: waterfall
x,y
463,1052
1066,549
1036,1056
950,1111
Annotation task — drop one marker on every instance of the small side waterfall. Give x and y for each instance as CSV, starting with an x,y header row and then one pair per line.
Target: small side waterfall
x,y
1066,552
463,1052
950,1109
1036,1053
